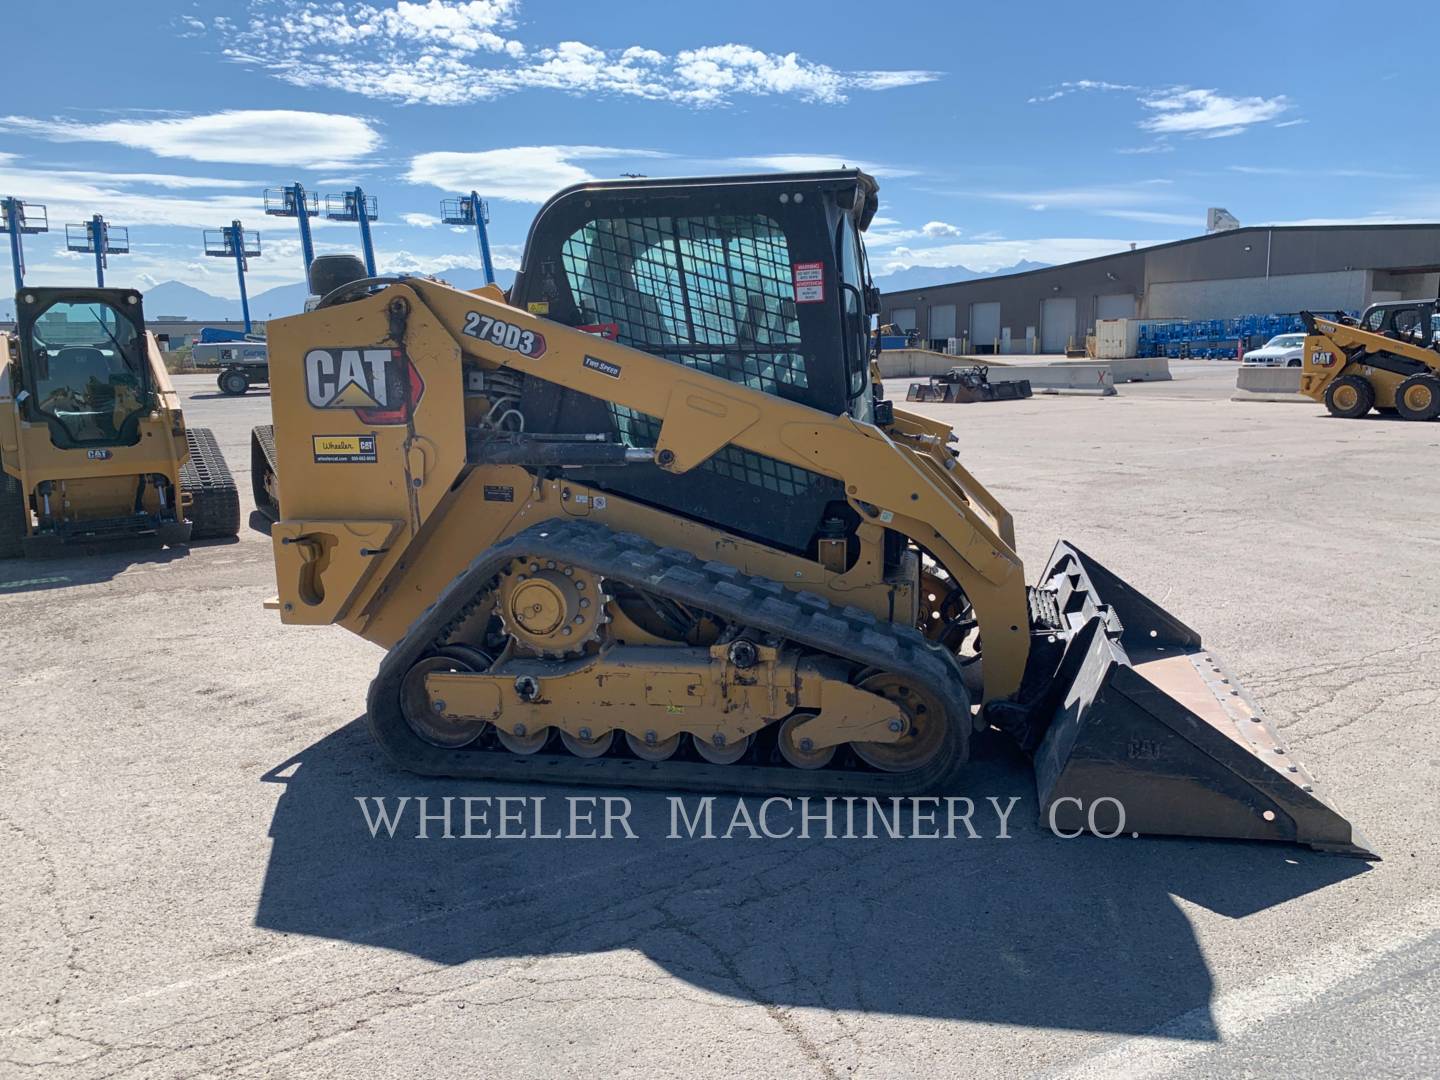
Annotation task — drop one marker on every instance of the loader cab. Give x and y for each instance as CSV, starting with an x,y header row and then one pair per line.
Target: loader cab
x,y
760,280
83,368
1415,322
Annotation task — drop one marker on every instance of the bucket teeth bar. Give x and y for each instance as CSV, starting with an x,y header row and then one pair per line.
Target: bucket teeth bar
x,y
1148,732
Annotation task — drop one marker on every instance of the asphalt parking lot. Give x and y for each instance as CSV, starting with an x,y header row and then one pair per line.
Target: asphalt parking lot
x,y
190,890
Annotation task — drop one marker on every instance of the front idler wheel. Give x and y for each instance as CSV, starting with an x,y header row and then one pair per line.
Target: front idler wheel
x,y
426,718
924,731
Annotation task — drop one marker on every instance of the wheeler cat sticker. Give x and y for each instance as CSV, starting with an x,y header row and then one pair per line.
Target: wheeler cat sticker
x,y
344,449
380,385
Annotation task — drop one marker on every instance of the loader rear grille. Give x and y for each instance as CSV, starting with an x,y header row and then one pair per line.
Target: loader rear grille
x,y
733,463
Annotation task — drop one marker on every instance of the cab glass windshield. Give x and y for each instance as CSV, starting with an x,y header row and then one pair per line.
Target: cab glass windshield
x,y
86,374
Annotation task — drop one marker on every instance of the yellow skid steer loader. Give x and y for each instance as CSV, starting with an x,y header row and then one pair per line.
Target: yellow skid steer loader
x,y
93,445
1387,360
650,521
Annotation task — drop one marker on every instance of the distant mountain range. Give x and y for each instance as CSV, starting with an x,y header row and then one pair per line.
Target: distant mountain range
x,y
924,277
187,302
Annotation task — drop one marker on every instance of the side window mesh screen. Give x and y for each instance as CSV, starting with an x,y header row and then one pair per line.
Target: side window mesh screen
x,y
639,429
714,293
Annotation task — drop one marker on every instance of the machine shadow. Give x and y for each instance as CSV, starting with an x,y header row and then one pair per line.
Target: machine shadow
x,y
216,395
1031,930
85,565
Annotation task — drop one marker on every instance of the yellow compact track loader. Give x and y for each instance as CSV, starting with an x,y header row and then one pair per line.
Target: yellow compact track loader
x,y
651,522
93,446
1387,360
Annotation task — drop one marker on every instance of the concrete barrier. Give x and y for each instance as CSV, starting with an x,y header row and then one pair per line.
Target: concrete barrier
x,y
1069,377
1274,380
908,363
1096,377
1141,369
1269,384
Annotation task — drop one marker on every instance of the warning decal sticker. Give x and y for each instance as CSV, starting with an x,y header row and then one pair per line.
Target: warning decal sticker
x,y
344,449
809,282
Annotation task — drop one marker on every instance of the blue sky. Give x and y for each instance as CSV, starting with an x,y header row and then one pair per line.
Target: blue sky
x,y
998,132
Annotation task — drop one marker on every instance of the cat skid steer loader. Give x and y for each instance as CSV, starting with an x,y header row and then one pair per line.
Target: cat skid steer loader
x,y
93,447
1388,359
649,521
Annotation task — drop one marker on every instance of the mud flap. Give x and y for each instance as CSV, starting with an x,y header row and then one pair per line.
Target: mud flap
x,y
1149,733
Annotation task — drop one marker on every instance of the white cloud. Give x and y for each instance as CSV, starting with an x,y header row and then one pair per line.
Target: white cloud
x,y
887,237
420,221
1150,148
892,80
448,53
936,229
1156,217
993,255
161,180
73,196
504,256
796,162
1183,111
517,173
1098,197
239,136
1067,88
1422,218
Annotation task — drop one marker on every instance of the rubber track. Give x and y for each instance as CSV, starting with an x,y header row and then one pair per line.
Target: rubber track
x,y
262,457
13,512
215,503
801,617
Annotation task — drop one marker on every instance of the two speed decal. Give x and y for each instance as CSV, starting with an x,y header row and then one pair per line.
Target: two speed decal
x,y
529,343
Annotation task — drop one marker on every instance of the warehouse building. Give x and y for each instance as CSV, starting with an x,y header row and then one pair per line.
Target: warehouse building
x,y
1224,275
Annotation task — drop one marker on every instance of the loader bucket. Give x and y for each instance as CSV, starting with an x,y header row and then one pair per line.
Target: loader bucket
x,y
1143,717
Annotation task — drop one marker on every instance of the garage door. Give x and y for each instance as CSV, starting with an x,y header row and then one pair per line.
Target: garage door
x,y
904,318
1057,323
1115,306
984,326
942,322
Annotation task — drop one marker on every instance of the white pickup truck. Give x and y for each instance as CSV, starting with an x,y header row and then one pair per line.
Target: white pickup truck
x,y
1283,350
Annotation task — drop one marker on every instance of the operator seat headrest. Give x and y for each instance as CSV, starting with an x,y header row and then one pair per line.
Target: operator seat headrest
x,y
329,272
